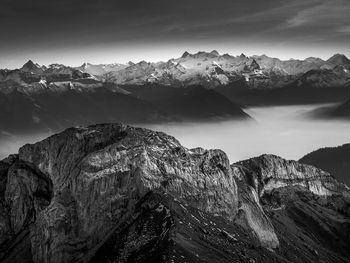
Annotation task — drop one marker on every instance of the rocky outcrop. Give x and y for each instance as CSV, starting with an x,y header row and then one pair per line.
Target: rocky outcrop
x,y
25,191
251,216
99,173
115,193
269,172
293,206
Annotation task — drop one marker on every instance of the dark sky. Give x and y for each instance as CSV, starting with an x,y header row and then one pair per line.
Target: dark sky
x,y
104,31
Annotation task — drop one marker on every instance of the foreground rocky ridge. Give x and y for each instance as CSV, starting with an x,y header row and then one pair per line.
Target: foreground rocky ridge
x,y
114,193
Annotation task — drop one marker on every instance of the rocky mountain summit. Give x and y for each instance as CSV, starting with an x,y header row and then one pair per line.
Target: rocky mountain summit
x,y
115,193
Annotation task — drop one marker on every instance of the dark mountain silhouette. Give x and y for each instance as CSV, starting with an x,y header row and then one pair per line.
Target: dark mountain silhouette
x,y
21,113
337,111
343,110
335,160
190,103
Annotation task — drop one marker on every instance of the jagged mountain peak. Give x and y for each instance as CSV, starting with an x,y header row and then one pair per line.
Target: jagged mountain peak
x,y
57,65
86,64
185,54
340,59
215,53
30,66
143,62
196,68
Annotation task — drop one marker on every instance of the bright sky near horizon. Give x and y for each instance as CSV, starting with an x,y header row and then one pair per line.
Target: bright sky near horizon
x,y
106,31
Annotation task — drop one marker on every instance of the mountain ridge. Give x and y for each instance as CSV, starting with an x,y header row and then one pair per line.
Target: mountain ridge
x,y
200,68
229,84
113,192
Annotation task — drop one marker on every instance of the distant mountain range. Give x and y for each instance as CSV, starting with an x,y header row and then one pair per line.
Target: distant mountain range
x,y
205,68
213,69
200,86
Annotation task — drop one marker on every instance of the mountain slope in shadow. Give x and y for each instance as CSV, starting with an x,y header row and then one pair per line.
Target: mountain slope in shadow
x,y
188,103
335,160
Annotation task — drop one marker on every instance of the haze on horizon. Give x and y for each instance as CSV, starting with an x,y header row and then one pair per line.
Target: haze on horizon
x,y
105,31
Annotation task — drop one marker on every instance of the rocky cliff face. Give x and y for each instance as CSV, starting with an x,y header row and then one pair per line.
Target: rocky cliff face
x,y
115,193
100,173
25,191
268,172
293,206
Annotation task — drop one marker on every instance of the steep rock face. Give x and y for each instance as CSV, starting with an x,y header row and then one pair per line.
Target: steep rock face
x,y
28,191
100,172
310,228
114,193
252,217
25,191
269,172
299,207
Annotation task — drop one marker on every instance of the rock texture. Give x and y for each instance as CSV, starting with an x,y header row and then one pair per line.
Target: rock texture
x,y
299,208
101,172
251,216
25,191
268,172
115,193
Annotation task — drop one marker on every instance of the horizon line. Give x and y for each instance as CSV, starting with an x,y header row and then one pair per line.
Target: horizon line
x,y
164,61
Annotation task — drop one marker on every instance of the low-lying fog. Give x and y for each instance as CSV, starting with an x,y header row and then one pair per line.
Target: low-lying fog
x,y
286,131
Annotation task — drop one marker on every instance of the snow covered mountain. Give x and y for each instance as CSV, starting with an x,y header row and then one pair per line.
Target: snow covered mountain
x,y
212,69
33,78
40,98
209,69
